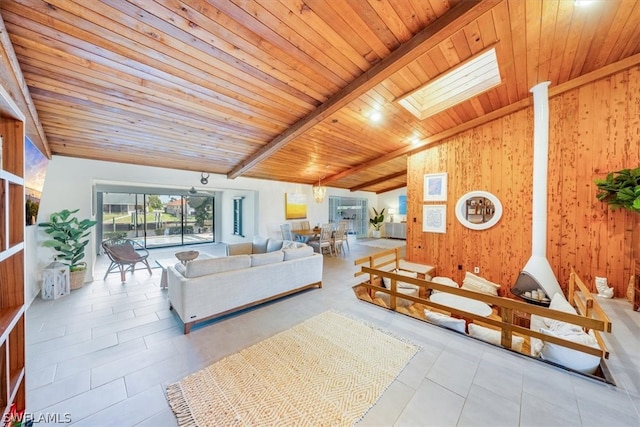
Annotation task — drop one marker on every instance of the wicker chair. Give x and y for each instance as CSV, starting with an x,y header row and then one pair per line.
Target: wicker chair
x,y
124,254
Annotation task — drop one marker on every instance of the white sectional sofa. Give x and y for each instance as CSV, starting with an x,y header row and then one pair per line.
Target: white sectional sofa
x,y
209,288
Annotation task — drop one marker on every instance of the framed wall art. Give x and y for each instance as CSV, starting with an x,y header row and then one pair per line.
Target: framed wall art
x,y
295,206
434,218
435,187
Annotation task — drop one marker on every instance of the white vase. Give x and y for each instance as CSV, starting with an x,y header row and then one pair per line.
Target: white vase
x,y
376,234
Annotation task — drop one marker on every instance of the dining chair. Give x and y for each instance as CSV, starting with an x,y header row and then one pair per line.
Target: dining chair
x,y
345,224
324,240
340,238
286,231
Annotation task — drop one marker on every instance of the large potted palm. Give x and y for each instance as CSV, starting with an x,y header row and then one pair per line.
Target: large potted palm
x,y
68,236
376,221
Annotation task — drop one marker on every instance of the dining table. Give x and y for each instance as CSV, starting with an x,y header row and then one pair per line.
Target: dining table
x,y
306,234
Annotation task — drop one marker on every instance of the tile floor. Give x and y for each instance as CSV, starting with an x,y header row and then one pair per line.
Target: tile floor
x,y
103,355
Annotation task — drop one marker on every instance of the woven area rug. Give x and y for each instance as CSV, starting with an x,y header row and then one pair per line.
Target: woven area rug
x,y
382,243
326,371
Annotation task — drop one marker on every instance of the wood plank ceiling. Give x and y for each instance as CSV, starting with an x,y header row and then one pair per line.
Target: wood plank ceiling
x,y
283,89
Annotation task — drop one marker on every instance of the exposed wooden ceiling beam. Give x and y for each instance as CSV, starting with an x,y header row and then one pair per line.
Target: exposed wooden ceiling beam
x,y
428,38
379,180
395,187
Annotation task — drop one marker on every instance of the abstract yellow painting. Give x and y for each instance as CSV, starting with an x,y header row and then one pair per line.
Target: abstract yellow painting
x,y
295,206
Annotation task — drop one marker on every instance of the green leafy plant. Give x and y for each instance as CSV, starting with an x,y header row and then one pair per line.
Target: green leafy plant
x,y
68,237
621,189
377,219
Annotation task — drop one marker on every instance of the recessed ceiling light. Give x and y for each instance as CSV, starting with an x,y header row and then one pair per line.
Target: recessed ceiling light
x,y
375,116
584,2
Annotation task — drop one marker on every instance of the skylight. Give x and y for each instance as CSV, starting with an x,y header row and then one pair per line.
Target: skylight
x,y
466,81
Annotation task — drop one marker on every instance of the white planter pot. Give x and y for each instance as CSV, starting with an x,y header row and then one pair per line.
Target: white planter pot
x,y
376,234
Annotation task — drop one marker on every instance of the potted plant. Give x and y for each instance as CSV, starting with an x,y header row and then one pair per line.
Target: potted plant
x,y
376,221
68,237
621,189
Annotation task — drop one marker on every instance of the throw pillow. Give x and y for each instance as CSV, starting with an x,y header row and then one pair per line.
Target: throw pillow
x,y
445,321
572,359
274,245
259,245
493,336
443,281
475,283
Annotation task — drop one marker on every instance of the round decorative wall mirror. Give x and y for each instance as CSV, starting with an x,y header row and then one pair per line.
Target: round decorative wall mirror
x,y
478,210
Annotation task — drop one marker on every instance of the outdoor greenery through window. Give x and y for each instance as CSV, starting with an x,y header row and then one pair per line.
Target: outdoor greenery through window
x,y
158,219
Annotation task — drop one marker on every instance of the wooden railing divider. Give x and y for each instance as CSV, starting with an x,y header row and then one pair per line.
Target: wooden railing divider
x,y
597,320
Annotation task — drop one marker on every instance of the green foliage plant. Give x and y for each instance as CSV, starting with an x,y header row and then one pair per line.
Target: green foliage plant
x,y
68,235
621,189
377,219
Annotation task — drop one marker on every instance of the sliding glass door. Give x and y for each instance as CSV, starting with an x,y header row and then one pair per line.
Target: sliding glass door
x,y
157,220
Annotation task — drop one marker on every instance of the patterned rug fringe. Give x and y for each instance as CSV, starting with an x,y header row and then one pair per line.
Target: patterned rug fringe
x,y
179,405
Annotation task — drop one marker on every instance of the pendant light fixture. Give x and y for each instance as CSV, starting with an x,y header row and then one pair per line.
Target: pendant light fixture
x,y
319,192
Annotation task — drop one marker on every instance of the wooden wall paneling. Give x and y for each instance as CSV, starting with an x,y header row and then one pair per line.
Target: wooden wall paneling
x,y
462,181
495,185
511,200
447,163
618,255
523,182
557,141
565,133
632,147
602,219
585,151
486,259
594,129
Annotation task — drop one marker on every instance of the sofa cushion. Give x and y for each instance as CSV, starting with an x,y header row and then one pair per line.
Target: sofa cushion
x,y
386,281
274,245
259,245
295,253
573,359
266,258
443,320
203,267
475,283
493,336
443,281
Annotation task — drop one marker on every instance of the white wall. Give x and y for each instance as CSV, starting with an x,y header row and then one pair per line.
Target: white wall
x,y
389,200
32,269
69,185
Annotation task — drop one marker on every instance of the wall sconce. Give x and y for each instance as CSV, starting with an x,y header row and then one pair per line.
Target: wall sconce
x,y
319,192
